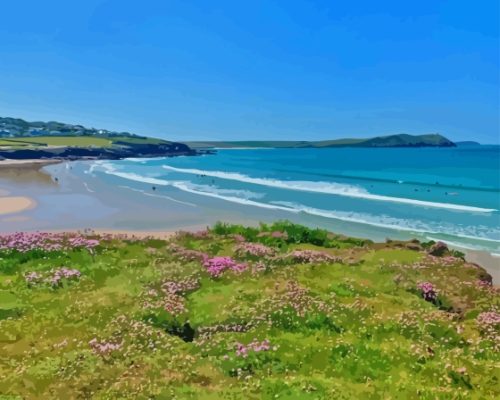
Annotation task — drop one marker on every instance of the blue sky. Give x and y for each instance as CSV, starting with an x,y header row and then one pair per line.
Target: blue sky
x,y
255,69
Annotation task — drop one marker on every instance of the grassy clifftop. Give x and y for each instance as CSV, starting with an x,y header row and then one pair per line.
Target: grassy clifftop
x,y
242,313
20,139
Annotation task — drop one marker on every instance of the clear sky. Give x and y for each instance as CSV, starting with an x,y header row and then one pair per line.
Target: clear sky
x,y
255,69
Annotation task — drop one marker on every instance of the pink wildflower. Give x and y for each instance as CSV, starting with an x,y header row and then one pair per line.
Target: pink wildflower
x,y
32,277
279,235
104,348
217,265
254,346
488,319
25,241
253,250
238,238
428,291
66,273
186,254
311,257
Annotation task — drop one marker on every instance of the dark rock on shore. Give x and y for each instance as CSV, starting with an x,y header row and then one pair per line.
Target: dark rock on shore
x,y
116,152
438,249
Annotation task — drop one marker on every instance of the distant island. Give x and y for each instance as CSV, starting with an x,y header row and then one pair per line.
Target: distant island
x,y
467,143
21,140
400,140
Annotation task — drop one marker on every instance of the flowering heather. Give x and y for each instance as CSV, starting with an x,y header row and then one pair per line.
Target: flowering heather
x,y
254,346
55,278
170,296
488,319
24,242
174,304
203,234
484,284
187,255
445,261
217,265
64,273
428,291
299,298
311,257
32,277
238,238
183,286
104,348
279,235
248,249
210,330
296,324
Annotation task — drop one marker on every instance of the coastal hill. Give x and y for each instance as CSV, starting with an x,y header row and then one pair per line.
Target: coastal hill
x,y
400,140
17,127
20,139
276,312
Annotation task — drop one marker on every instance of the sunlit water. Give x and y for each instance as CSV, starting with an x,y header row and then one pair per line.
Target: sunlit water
x,y
451,194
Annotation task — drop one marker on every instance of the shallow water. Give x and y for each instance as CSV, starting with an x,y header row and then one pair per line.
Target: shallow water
x,y
450,194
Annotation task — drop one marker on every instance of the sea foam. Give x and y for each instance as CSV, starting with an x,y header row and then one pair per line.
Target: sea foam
x,y
326,188
245,197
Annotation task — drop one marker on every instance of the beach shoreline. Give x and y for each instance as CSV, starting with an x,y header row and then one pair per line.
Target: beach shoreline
x,y
56,199
28,163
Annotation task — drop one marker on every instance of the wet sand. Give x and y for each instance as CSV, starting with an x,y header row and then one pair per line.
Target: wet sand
x,y
16,178
15,204
489,262
29,163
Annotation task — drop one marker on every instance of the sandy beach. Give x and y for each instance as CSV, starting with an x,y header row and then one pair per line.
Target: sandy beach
x,y
12,174
28,163
37,196
15,204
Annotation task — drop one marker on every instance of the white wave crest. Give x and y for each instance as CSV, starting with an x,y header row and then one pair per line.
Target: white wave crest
x,y
383,221
380,221
187,187
159,196
327,188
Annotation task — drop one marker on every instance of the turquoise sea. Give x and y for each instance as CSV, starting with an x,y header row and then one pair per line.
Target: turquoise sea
x,y
450,194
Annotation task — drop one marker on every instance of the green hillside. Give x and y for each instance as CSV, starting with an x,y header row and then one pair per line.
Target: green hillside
x,y
280,312
20,139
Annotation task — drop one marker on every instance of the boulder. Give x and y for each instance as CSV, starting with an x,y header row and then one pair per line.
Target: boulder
x,y
438,249
413,246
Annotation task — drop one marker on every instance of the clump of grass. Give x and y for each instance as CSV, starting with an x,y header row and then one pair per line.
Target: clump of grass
x,y
285,232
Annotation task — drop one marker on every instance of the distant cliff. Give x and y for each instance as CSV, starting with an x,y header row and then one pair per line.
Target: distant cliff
x,y
17,127
20,139
401,140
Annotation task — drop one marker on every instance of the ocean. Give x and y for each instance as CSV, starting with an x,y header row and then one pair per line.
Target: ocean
x,y
448,194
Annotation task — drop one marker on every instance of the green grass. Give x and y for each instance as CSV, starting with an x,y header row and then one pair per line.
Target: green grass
x,y
353,329
137,140
77,141
72,141
10,143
